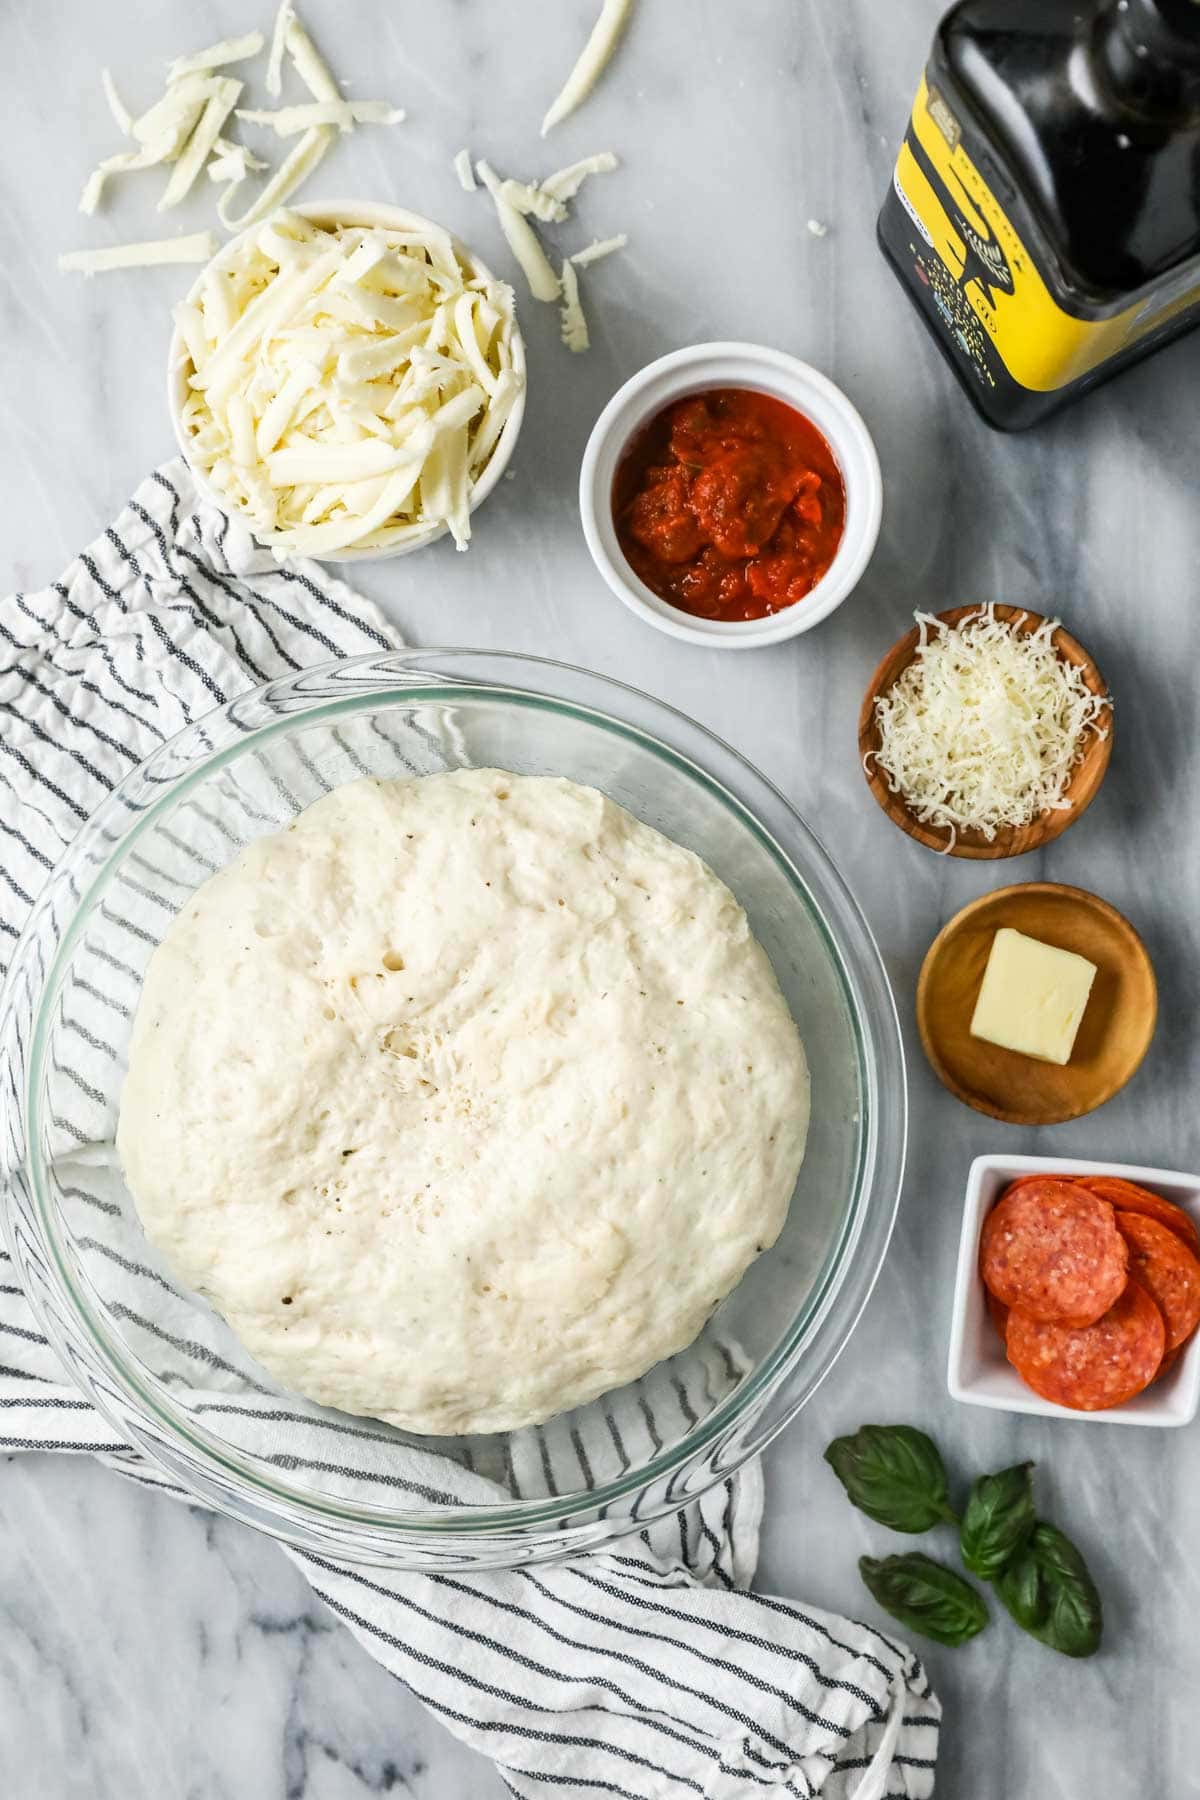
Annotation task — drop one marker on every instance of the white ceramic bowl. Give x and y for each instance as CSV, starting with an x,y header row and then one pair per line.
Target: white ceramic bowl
x,y
980,1374
694,370
348,212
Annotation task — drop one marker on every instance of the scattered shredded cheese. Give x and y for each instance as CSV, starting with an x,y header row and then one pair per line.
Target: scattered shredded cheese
x,y
535,265
308,62
535,201
574,324
197,248
184,126
550,201
564,184
592,62
464,171
116,106
283,18
347,388
985,726
217,56
199,146
818,228
290,121
296,167
598,248
232,162
170,120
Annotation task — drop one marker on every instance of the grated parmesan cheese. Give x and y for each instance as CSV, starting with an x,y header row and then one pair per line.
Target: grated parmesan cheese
x,y
985,726
347,387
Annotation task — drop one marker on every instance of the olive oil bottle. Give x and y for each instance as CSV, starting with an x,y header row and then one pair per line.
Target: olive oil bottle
x,y
1045,209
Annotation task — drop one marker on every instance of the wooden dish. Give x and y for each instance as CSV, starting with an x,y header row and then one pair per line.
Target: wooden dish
x,y
1011,840
1114,1034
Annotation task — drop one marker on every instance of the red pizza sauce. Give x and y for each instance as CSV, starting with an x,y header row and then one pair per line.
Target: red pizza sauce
x,y
729,504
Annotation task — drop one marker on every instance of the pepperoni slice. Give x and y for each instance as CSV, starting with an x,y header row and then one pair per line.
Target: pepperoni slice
x,y
1100,1365
1126,1196
997,1313
1054,1250
1167,1270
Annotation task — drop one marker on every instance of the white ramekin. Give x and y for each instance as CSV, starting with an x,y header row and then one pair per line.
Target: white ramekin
x,y
979,1373
349,212
694,370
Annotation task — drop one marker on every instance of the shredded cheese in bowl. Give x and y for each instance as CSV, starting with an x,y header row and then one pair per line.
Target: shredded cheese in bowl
x,y
349,379
985,727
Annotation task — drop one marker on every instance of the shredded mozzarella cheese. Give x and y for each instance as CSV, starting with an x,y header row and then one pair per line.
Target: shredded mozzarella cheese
x,y
347,388
184,126
564,184
296,167
116,106
283,18
200,145
985,726
592,62
217,56
522,241
549,201
599,248
197,248
290,121
573,322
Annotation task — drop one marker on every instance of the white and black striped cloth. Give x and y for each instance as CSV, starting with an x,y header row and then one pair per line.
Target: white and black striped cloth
x,y
643,1671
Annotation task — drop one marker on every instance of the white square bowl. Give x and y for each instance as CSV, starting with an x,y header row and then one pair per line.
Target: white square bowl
x,y
979,1373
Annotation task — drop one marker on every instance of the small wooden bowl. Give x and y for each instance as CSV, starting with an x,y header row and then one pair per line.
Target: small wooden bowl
x,y
1011,840
1114,1034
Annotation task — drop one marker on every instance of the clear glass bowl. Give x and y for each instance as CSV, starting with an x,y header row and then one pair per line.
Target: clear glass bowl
x,y
165,1369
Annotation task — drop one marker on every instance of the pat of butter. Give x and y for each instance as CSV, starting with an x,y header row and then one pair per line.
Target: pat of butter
x,y
1033,997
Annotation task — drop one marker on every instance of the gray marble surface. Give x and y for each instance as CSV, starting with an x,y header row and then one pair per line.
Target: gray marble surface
x,y
152,1653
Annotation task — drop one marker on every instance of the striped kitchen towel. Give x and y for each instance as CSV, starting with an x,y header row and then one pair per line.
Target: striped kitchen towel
x,y
643,1671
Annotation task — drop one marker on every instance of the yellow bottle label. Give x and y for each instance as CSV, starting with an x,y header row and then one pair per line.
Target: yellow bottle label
x,y
989,289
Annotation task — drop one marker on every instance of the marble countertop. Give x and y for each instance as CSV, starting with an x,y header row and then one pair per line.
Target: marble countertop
x,y
153,1653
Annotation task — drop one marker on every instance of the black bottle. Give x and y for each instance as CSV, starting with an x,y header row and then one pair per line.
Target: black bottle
x,y
1045,210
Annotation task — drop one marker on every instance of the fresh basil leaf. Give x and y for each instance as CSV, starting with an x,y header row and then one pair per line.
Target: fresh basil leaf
x,y
925,1596
998,1520
1050,1593
894,1474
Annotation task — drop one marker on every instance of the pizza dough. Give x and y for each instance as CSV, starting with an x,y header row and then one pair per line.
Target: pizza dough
x,y
464,1099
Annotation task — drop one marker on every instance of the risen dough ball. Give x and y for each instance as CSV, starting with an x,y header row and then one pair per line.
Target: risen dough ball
x,y
464,1099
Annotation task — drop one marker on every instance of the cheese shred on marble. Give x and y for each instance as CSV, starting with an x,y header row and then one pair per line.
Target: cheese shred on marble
x,y
986,725
548,201
592,62
574,324
347,387
197,248
184,126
